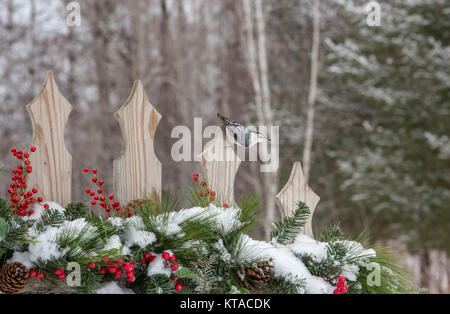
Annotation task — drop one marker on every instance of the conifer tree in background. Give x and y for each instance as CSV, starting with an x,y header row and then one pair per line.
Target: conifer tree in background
x,y
394,82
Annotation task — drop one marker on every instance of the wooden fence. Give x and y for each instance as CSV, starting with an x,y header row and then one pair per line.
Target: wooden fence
x,y
137,171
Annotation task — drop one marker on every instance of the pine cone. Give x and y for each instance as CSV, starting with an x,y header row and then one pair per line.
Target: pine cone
x,y
255,276
13,277
130,209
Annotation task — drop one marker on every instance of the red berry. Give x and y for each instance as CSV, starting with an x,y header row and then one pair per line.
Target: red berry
x,y
30,212
200,193
33,149
103,270
178,287
130,278
91,193
87,191
165,256
59,271
13,150
112,269
342,279
143,261
34,190
26,155
46,206
33,273
93,203
41,275
94,180
174,267
96,197
213,193
100,182
148,255
336,291
107,209
118,208
152,258
91,265
94,171
173,258
343,289
86,170
225,205
111,196
63,276
39,199
99,191
174,278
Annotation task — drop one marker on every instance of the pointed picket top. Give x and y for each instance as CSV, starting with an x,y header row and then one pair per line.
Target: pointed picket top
x,y
220,164
51,163
296,189
137,171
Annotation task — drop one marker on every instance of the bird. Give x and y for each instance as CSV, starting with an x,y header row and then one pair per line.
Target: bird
x,y
241,134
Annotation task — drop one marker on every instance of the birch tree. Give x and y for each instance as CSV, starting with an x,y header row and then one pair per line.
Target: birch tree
x,y
312,92
259,72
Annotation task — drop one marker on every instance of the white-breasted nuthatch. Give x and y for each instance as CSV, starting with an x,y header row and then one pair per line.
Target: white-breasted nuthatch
x,y
241,134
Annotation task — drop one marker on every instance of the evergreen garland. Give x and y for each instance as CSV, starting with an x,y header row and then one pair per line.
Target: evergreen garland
x,y
286,230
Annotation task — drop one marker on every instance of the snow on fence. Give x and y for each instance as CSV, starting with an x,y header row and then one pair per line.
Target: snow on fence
x,y
137,171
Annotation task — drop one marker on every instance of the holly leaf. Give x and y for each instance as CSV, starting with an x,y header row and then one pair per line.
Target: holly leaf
x,y
185,273
2,228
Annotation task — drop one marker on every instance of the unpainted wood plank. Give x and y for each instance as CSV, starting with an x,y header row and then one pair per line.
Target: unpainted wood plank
x,y
220,164
51,163
295,190
137,171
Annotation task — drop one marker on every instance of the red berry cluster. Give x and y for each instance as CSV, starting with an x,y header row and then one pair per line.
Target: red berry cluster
x,y
340,285
59,272
116,268
169,262
21,199
34,273
148,258
206,192
98,197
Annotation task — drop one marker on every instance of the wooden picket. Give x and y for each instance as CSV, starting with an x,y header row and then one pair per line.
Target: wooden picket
x,y
51,163
220,164
295,190
137,171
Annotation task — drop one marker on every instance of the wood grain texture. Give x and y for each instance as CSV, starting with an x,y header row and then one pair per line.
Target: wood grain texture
x,y
52,163
295,190
137,171
220,164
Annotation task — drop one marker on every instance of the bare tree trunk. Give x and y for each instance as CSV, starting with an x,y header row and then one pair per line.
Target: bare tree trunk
x,y
312,93
259,72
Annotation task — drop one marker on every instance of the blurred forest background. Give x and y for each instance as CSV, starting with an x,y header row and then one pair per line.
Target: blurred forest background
x,y
380,150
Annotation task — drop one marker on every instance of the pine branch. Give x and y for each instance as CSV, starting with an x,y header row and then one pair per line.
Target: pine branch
x,y
286,230
50,217
331,234
76,210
